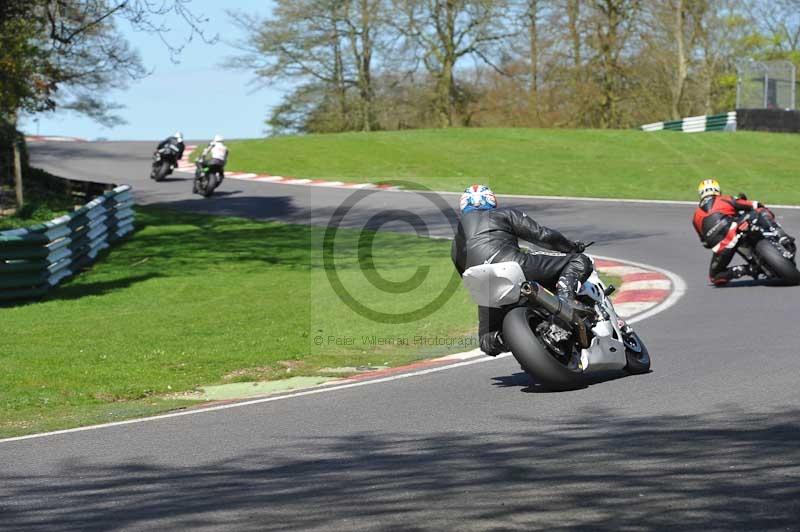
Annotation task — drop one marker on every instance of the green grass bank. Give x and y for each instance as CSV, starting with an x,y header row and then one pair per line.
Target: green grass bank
x,y
591,163
195,300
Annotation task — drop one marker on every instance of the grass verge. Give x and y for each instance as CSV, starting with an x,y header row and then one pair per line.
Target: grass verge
x,y
195,300
592,163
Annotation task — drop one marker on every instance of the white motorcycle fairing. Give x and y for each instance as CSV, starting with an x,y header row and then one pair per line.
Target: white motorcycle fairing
x,y
606,352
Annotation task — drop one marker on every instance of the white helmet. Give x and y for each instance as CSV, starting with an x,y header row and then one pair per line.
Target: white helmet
x,y
218,138
178,135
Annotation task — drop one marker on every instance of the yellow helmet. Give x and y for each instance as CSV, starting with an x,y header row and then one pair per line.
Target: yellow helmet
x,y
708,187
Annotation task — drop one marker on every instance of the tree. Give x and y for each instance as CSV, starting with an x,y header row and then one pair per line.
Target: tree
x,y
443,32
361,20
729,35
67,54
780,21
324,45
614,22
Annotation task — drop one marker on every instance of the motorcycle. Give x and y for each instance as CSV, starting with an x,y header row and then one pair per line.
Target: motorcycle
x,y
766,248
562,345
164,162
206,180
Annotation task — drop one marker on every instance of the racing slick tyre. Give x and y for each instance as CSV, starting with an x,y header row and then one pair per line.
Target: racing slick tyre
x,y
780,266
534,357
162,171
207,184
636,355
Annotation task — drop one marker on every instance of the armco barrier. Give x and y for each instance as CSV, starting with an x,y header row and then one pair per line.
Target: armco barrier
x,y
35,259
696,124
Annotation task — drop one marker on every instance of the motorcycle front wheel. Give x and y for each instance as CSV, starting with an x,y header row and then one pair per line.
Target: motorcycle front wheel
x,y
533,355
783,268
636,355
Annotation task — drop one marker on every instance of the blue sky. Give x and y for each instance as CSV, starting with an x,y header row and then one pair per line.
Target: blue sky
x,y
196,96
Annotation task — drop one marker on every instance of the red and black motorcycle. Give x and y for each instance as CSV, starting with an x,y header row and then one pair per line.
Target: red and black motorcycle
x,y
766,247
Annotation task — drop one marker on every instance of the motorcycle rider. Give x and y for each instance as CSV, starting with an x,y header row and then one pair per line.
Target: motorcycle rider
x,y
218,157
487,234
716,221
175,140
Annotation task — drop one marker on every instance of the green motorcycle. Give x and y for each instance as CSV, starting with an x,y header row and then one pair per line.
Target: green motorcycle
x,y
207,178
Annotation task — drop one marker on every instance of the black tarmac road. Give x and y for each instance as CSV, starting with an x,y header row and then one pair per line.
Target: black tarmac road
x,y
709,440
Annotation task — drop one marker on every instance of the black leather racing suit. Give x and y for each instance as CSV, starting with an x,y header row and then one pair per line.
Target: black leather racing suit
x,y
491,236
174,141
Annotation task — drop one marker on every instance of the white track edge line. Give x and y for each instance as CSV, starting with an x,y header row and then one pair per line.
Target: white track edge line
x,y
679,288
596,200
312,391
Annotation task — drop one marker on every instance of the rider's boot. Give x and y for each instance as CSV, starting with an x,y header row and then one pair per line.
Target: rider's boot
x,y
492,343
736,272
566,290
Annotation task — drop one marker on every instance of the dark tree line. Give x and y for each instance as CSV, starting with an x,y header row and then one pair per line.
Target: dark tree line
x,y
390,64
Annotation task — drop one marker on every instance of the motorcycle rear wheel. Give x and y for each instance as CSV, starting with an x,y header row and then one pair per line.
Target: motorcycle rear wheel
x,y
207,184
780,266
162,171
533,355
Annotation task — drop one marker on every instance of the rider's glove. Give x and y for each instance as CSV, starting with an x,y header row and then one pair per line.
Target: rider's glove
x,y
578,246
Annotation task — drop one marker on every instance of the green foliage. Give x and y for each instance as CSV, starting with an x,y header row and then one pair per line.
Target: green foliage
x,y
43,202
23,61
628,164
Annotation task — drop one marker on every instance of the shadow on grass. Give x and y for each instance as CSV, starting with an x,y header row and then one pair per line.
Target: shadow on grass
x,y
180,241
77,290
731,471
169,243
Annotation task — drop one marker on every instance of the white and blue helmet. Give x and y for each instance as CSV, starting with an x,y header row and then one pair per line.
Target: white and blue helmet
x,y
478,198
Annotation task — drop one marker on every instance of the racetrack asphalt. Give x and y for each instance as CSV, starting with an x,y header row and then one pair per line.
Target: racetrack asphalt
x,y
709,440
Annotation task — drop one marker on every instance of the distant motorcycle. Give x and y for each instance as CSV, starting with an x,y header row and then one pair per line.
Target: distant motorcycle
x,y
763,248
165,160
206,178
559,344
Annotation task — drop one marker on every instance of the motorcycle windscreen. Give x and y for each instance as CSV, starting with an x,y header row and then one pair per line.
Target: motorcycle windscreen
x,y
494,285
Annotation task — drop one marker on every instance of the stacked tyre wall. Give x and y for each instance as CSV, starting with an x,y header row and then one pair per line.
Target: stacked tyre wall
x,y
36,259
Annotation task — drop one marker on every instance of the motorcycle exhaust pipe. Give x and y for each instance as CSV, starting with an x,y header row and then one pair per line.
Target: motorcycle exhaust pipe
x,y
540,296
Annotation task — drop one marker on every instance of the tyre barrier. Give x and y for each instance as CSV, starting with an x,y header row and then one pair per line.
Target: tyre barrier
x,y
36,259
696,124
